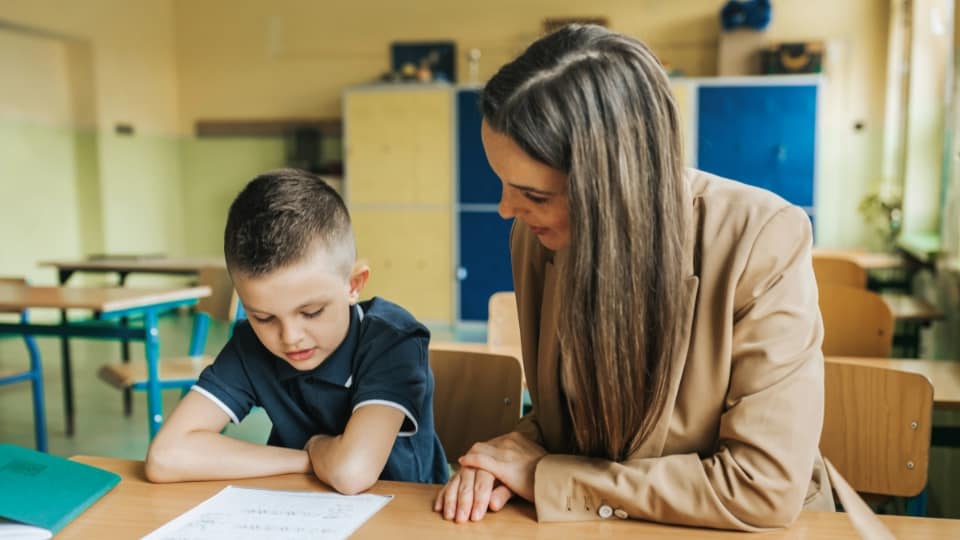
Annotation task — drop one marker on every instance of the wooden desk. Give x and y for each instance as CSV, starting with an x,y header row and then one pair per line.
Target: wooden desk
x,y
107,303
124,266
912,313
135,508
868,260
909,308
508,350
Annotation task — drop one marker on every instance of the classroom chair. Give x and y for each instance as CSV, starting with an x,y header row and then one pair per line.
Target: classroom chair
x,y
876,429
34,375
856,322
476,397
503,324
838,271
182,372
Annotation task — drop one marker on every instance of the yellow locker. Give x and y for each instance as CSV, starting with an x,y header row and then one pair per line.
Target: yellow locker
x,y
399,182
398,144
409,253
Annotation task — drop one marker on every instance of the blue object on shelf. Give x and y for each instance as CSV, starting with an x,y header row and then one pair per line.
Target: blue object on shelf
x,y
753,14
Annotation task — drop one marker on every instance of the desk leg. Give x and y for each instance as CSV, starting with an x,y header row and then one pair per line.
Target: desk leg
x,y
125,357
152,345
907,339
67,376
67,372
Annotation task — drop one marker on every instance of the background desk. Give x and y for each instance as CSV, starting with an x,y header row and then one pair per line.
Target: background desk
x,y
109,303
123,266
868,260
135,507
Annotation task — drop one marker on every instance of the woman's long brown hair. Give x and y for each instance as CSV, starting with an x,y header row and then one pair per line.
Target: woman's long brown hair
x,y
598,106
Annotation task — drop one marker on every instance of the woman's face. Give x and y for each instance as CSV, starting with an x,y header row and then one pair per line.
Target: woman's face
x,y
533,192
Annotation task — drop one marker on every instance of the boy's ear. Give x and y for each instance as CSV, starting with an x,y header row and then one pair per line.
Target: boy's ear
x,y
358,278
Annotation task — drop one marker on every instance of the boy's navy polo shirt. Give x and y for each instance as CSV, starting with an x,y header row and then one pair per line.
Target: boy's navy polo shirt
x,y
383,360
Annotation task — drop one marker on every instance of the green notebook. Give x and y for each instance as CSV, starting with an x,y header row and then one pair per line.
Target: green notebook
x,y
47,491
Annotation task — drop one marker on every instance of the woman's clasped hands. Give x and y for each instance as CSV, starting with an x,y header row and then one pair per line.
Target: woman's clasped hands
x,y
489,475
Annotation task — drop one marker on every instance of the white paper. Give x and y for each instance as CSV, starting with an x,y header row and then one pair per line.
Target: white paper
x,y
10,530
241,513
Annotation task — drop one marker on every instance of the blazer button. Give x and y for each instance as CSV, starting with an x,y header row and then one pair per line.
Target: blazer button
x,y
605,511
621,513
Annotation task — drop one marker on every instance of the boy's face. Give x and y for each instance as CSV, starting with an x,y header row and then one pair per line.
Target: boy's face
x,y
301,313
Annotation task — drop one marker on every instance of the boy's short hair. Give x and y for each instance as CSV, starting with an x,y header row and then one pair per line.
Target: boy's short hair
x,y
277,218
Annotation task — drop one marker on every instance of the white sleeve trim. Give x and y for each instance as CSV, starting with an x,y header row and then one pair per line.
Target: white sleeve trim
x,y
397,406
217,402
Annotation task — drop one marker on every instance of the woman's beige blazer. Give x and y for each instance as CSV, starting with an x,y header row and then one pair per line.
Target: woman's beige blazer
x,y
737,445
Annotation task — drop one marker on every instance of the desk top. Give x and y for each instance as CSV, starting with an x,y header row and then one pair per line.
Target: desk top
x,y
103,299
158,265
507,350
868,260
906,307
136,507
943,374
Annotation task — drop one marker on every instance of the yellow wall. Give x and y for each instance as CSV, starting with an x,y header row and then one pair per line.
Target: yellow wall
x,y
162,64
293,58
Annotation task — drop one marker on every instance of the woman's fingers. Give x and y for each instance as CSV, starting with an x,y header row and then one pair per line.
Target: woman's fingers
x,y
482,487
450,497
499,497
465,494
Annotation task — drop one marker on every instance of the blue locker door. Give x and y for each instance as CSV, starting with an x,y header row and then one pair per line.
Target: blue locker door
x,y
485,261
477,182
760,135
484,238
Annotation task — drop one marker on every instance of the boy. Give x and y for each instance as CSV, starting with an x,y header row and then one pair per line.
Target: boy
x,y
347,385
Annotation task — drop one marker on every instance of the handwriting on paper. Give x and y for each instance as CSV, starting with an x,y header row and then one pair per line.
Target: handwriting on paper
x,y
241,513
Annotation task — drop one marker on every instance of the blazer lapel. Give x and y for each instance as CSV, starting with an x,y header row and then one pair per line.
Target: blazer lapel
x,y
551,407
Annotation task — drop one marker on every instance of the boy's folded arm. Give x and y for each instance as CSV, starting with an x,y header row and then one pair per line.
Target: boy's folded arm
x,y
352,462
189,446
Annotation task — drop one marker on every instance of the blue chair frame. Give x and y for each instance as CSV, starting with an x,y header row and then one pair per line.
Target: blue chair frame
x,y
35,376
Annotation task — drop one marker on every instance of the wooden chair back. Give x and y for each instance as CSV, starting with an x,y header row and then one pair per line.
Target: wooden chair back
x,y
503,324
477,396
856,322
223,301
876,428
839,271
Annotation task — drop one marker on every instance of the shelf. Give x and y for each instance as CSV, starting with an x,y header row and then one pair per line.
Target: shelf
x,y
268,127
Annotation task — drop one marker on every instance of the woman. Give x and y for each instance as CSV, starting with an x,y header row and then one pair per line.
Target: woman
x,y
669,321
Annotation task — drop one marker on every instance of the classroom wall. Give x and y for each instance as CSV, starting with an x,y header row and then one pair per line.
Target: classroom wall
x,y
37,155
213,171
159,65
293,58
103,192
